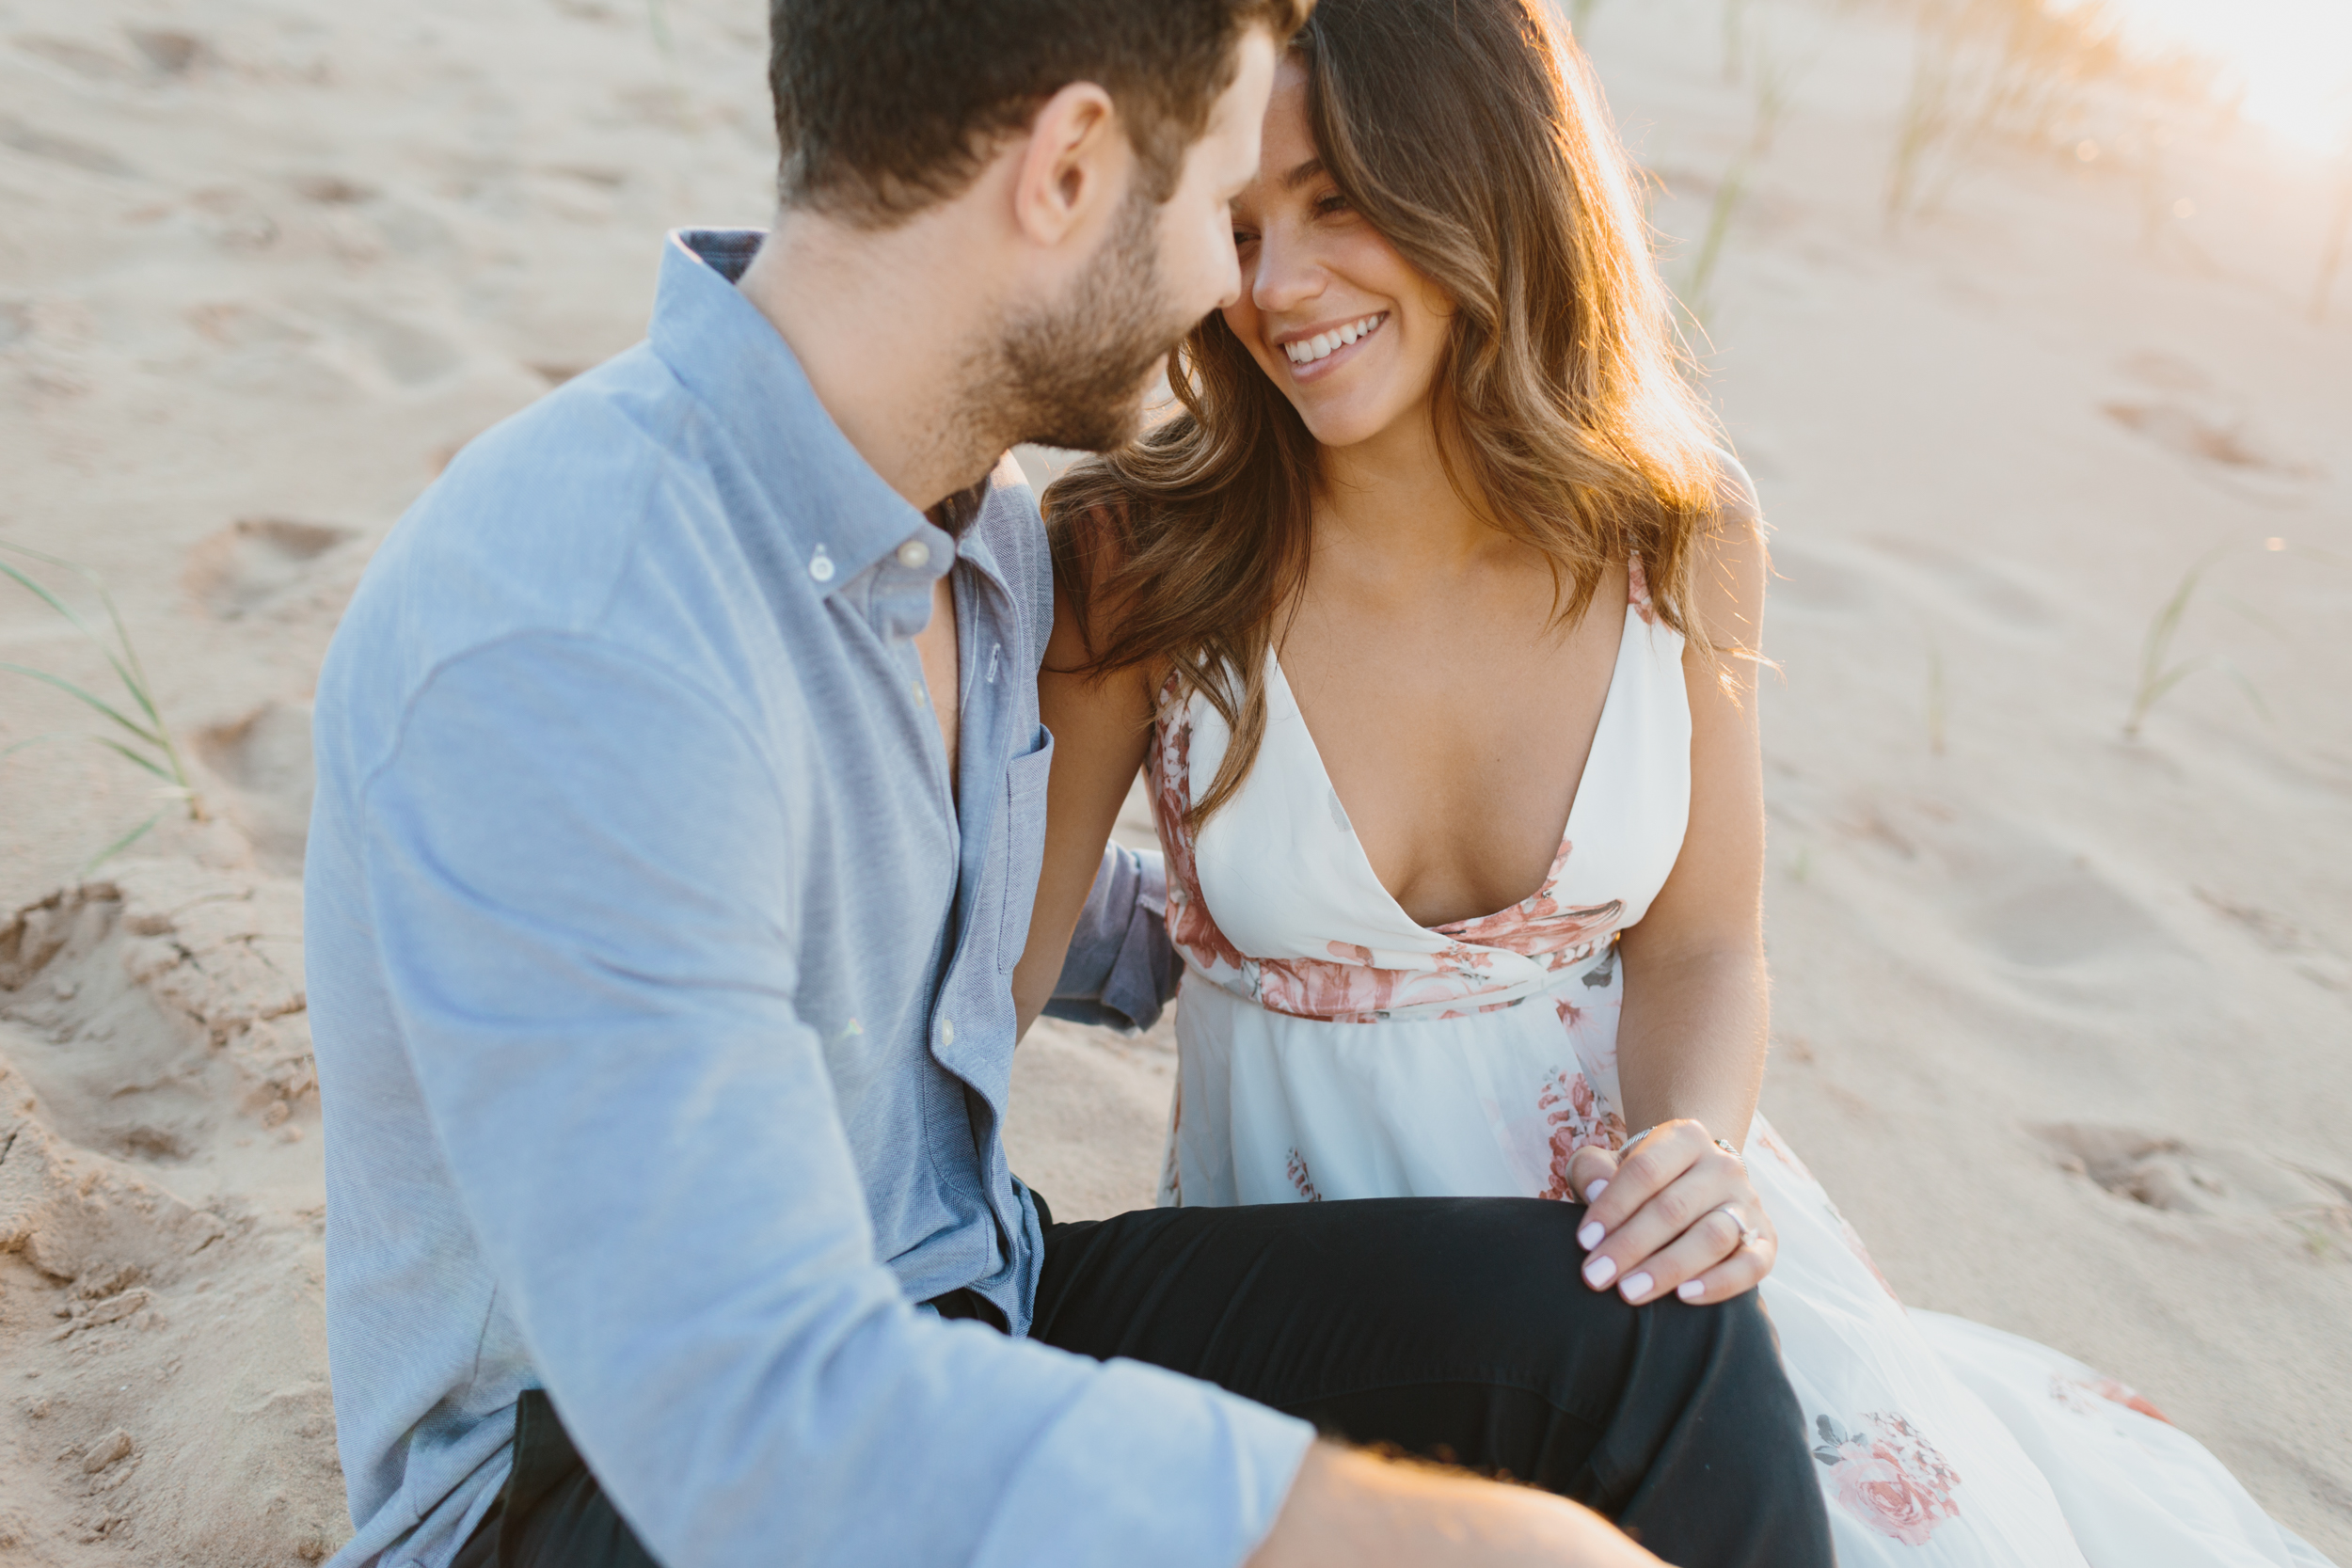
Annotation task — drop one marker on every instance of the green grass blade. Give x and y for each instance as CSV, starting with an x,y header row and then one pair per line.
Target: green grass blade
x,y
7,752
129,756
136,683
120,844
72,691
114,746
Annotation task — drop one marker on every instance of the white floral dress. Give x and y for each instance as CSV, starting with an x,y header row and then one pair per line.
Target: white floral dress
x,y
1331,1047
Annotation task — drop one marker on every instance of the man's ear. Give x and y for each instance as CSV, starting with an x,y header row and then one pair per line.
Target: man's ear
x,y
1074,167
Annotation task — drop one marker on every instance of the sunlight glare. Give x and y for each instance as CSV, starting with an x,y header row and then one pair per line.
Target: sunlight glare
x,y
2292,58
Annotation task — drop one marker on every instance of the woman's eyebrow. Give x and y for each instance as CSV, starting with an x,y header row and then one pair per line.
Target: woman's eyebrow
x,y
1303,173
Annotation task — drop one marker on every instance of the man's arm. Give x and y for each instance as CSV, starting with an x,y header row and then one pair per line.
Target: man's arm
x,y
577,868
1120,970
1349,1508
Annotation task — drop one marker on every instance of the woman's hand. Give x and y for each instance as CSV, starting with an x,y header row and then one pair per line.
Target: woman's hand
x,y
1676,1213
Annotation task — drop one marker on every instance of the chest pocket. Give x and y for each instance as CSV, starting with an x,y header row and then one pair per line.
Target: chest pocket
x,y
1024,842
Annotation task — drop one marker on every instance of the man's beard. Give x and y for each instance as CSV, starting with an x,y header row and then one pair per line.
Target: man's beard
x,y
1076,375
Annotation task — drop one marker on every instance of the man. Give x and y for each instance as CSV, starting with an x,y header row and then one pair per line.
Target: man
x,y
680,797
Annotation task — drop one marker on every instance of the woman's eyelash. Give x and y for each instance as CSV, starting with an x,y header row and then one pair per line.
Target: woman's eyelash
x,y
1332,203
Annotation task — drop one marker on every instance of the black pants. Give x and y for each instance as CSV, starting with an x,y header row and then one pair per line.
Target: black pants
x,y
1455,1328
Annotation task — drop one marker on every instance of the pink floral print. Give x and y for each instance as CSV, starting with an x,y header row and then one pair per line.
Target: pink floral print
x,y
1538,926
1577,1117
1302,1180
1349,987
1189,926
1888,1475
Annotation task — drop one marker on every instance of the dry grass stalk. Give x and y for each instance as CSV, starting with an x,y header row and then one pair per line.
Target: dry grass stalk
x,y
139,736
2159,672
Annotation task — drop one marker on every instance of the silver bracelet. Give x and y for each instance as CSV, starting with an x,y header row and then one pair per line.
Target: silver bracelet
x,y
1627,1148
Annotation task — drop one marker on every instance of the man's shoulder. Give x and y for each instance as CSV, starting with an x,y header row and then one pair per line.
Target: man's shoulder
x,y
1013,532
567,519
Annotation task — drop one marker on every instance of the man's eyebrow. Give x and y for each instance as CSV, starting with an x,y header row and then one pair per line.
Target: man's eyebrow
x,y
1303,173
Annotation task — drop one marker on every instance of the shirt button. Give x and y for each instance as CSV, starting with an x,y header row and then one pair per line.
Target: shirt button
x,y
820,565
947,1031
914,555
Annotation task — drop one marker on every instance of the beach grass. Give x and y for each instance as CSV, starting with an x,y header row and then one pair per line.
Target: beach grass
x,y
1773,92
2020,72
135,730
2160,671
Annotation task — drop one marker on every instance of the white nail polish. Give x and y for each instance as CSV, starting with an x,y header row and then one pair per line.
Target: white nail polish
x,y
1590,1236
1592,1193
1691,1290
1637,1286
1598,1272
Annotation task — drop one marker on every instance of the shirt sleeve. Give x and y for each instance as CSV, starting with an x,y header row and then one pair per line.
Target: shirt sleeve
x,y
578,870
1121,970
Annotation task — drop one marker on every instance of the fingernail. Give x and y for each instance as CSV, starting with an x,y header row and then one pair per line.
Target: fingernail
x,y
1691,1290
1590,1236
1637,1286
1598,1272
1593,1192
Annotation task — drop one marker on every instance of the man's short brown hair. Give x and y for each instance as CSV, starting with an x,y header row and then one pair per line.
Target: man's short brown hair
x,y
886,106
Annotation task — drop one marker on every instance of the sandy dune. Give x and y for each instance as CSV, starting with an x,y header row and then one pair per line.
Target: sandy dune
x,y
2063,1019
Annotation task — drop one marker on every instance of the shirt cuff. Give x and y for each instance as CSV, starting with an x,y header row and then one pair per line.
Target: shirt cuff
x,y
1121,971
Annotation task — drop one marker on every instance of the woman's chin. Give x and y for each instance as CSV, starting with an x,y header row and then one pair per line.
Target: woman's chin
x,y
1343,426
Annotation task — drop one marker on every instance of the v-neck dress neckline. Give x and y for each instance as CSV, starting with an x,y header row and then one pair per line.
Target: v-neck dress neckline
x,y
1279,691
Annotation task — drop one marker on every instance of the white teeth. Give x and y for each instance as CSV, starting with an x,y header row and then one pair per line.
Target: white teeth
x,y
1306,351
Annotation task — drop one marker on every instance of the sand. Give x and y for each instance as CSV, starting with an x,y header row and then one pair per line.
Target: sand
x,y
2062,1017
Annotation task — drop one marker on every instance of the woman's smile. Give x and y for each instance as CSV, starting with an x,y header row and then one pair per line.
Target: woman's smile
x,y
1315,352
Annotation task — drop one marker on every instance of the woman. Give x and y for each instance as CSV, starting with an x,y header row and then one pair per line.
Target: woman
x,y
1436,591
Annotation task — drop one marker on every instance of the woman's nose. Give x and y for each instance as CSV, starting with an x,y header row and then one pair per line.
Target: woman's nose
x,y
1286,276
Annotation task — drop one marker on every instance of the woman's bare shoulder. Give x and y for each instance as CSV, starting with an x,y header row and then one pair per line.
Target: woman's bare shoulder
x,y
1731,560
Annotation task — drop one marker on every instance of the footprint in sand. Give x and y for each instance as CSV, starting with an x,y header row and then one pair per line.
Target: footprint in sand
x,y
90,63
265,758
170,52
148,1010
2043,911
258,563
35,141
2190,417
2176,1176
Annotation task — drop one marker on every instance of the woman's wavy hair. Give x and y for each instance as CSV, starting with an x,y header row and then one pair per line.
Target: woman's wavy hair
x,y
1470,135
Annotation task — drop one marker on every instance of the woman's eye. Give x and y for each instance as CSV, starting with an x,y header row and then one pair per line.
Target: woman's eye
x,y
1334,202
1244,238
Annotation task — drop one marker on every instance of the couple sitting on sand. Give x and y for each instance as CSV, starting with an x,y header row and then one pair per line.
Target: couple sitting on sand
x,y
715,775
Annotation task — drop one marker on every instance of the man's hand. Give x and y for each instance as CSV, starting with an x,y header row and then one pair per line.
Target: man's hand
x,y
1676,1214
1349,1508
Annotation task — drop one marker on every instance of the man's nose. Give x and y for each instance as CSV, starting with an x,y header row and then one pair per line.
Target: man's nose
x,y
1230,284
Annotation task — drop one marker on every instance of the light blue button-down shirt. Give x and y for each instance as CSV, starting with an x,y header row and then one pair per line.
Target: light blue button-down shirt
x,y
660,994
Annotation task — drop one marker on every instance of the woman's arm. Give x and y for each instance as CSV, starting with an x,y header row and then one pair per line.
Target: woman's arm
x,y
1690,1040
1101,725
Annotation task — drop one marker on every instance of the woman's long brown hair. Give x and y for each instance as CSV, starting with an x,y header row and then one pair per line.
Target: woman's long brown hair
x,y
1471,136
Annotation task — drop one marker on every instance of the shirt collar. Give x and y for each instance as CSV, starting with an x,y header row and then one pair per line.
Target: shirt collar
x,y
842,515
